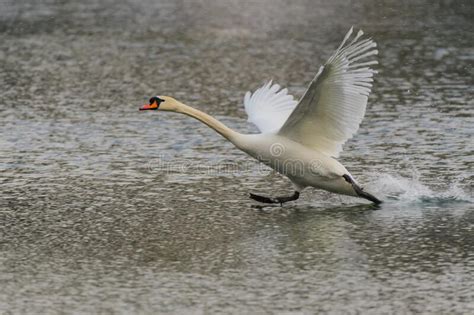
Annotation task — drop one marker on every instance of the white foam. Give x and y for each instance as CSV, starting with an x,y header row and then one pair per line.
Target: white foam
x,y
405,189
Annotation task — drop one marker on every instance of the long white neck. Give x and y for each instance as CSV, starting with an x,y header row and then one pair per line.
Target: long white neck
x,y
223,130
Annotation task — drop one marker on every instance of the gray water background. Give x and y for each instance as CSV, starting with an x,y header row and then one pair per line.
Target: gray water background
x,y
105,209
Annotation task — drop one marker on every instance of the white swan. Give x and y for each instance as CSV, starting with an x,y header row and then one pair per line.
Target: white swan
x,y
302,140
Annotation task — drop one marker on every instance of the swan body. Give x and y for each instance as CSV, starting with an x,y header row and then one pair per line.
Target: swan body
x,y
303,166
302,139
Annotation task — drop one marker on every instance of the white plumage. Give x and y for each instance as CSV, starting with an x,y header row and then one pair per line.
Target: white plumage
x,y
331,109
269,107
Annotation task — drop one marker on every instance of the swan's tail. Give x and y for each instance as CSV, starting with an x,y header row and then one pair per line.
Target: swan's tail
x,y
360,191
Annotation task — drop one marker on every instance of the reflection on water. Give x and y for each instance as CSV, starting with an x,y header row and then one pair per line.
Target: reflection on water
x,y
105,209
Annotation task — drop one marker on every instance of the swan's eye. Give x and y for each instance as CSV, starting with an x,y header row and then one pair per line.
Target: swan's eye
x,y
156,99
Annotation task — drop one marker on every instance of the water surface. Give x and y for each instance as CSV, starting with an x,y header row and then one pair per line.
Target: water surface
x,y
105,209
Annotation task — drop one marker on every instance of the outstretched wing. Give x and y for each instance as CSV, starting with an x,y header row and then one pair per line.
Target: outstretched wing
x,y
333,107
269,107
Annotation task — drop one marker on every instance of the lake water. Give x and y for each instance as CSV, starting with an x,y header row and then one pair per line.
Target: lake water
x,y
105,209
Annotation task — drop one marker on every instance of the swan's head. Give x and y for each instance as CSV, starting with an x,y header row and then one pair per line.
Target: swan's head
x,y
162,103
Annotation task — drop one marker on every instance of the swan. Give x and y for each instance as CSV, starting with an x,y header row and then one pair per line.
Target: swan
x,y
302,140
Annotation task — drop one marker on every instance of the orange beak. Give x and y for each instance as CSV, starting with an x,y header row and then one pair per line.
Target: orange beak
x,y
151,106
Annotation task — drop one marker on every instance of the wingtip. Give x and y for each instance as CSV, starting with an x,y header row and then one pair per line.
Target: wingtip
x,y
349,33
247,96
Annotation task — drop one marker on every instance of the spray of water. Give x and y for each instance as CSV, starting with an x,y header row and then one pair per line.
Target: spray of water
x,y
411,189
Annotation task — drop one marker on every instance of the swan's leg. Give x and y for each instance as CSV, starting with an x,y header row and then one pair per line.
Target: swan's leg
x,y
280,200
360,191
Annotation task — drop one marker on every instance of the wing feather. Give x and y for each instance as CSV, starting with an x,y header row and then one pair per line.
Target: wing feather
x,y
269,107
334,104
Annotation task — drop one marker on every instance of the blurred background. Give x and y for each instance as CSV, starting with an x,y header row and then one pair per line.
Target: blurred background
x,y
105,209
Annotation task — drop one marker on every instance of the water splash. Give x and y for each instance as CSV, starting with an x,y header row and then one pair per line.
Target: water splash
x,y
406,189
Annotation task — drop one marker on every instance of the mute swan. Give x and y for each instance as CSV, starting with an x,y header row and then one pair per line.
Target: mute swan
x,y
302,140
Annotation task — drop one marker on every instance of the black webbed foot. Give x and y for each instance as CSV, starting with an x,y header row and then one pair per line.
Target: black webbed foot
x,y
280,200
